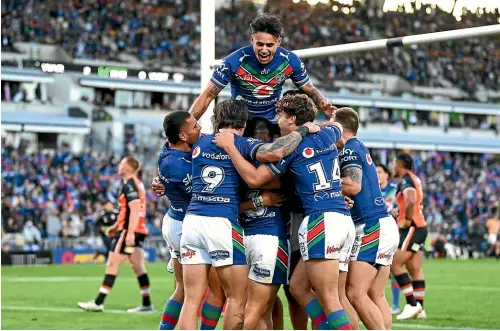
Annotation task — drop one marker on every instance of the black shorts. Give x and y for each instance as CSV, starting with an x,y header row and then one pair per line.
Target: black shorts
x,y
412,239
294,260
119,246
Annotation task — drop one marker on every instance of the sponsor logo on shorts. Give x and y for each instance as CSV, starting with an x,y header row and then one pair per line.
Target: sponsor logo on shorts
x,y
177,253
189,254
332,249
355,246
219,255
384,256
302,248
261,272
415,247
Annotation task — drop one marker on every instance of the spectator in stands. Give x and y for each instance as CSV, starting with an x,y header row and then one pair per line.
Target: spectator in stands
x,y
32,237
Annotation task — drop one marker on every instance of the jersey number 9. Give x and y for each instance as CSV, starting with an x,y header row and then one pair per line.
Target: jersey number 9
x,y
212,176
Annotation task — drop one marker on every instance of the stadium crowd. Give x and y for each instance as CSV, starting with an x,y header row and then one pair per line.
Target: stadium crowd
x,y
167,32
55,194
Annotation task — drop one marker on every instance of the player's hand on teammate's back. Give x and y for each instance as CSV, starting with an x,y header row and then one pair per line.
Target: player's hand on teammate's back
x,y
272,199
130,239
328,108
349,202
157,186
313,128
224,140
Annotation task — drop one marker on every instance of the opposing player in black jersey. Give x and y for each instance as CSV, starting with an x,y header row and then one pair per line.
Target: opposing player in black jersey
x,y
107,217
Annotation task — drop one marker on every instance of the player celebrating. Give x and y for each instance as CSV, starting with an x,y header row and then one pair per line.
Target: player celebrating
x,y
211,232
413,231
376,231
130,232
327,232
174,168
389,193
257,73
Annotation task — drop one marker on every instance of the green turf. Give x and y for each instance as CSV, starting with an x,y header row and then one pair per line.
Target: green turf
x,y
460,294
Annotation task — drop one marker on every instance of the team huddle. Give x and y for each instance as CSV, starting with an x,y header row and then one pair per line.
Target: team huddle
x,y
271,199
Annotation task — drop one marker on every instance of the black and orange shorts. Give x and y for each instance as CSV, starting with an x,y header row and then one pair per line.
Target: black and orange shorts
x,y
119,246
412,239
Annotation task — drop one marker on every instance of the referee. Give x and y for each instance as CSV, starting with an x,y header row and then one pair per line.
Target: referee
x,y
107,217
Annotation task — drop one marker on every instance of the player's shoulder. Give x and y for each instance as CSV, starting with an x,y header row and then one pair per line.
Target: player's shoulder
x,y
407,181
240,55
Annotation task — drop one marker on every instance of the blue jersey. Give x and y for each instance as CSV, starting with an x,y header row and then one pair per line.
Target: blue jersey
x,y
174,168
389,195
257,84
315,168
265,220
216,183
369,201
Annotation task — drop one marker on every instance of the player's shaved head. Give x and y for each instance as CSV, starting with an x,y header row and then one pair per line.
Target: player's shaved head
x,y
134,164
348,118
230,114
172,125
299,105
259,128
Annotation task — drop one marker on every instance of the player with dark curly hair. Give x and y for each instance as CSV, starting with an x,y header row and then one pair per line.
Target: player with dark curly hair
x,y
258,72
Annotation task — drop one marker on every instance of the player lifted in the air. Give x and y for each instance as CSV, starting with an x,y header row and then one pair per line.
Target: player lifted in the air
x,y
257,73
327,232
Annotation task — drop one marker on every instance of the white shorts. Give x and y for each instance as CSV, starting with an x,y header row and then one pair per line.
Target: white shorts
x,y
327,235
267,257
172,230
376,241
211,240
492,239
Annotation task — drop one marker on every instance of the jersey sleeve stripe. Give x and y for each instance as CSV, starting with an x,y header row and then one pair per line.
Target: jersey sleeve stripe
x,y
303,82
273,169
253,153
217,83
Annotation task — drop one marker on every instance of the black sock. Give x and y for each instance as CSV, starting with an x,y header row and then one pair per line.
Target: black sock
x,y
419,291
105,288
404,283
144,284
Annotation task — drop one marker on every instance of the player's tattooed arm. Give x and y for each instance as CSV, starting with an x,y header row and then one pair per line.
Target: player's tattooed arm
x,y
285,145
201,103
351,180
318,98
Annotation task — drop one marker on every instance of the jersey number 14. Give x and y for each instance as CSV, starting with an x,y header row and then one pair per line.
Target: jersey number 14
x,y
322,182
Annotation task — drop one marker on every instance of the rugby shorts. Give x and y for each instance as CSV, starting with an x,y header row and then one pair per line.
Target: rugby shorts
x,y
119,245
268,258
376,241
172,230
328,236
211,240
412,239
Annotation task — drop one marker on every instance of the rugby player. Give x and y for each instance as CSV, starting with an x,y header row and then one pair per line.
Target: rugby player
x,y
413,232
211,232
107,217
377,234
389,193
129,233
257,73
327,232
174,168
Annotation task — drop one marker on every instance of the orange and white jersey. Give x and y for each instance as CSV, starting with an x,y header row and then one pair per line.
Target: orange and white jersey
x,y
411,181
132,190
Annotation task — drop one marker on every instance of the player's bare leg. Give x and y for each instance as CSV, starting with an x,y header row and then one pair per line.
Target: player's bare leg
x,y
112,268
377,295
233,280
324,276
277,314
212,307
170,315
497,250
361,275
266,320
301,289
412,308
297,314
260,300
349,309
195,277
414,267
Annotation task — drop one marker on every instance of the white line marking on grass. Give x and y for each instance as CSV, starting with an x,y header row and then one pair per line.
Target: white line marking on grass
x,y
66,310
65,279
408,326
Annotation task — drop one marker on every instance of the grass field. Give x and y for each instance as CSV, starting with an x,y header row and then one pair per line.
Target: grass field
x,y
461,295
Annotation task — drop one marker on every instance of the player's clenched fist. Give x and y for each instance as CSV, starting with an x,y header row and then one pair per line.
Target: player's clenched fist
x,y
224,140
